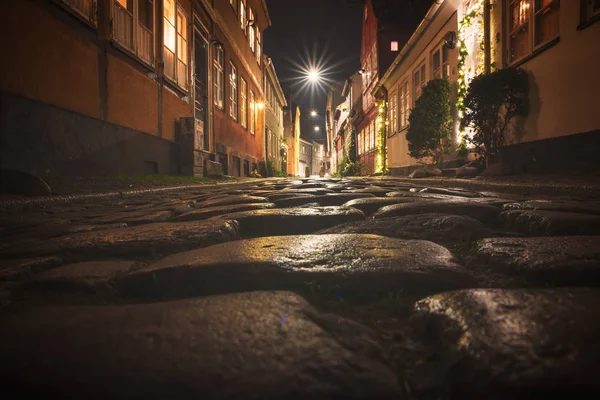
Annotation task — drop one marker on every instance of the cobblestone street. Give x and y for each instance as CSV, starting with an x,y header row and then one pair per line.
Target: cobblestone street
x,y
283,288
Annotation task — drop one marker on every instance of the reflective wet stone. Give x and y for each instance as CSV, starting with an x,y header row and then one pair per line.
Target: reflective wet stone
x,y
481,212
363,263
208,212
446,229
222,200
249,345
22,269
369,205
291,221
558,260
142,240
550,223
511,343
555,205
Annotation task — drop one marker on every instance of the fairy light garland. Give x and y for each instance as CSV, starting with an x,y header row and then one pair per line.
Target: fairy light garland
x,y
380,121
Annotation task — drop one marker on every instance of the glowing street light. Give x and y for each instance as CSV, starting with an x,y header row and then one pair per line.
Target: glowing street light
x,y
313,113
317,129
314,76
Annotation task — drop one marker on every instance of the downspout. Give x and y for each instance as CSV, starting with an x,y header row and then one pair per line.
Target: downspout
x,y
486,36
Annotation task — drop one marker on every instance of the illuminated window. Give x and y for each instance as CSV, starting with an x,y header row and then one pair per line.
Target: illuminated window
x,y
85,8
440,67
218,77
540,18
175,54
253,110
373,61
251,38
244,103
233,92
243,15
394,46
393,112
404,104
418,81
359,146
258,45
133,27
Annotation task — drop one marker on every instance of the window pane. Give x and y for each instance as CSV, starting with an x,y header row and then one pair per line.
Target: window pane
x,y
436,64
546,21
145,14
520,13
169,11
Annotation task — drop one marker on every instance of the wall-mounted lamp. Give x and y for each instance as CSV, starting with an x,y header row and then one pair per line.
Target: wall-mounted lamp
x,y
250,22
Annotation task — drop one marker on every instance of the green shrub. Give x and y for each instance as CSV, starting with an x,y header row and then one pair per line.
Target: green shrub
x,y
430,122
491,103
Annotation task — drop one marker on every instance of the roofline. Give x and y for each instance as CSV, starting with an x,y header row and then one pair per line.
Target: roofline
x,y
425,22
270,67
264,4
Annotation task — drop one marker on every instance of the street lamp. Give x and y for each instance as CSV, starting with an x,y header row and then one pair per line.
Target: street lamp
x,y
313,113
314,76
317,129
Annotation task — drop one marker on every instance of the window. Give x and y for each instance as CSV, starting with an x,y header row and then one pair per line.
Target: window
x,y
366,12
394,46
233,92
418,81
243,15
175,43
251,38
258,45
360,141
440,68
85,8
133,27
252,112
524,39
592,8
372,135
393,112
404,105
234,5
219,77
373,62
244,105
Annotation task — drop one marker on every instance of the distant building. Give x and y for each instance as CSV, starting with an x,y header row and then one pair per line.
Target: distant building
x,y
555,42
318,157
102,87
276,147
291,124
305,159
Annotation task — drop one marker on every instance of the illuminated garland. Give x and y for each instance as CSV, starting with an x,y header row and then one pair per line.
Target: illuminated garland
x,y
467,22
381,158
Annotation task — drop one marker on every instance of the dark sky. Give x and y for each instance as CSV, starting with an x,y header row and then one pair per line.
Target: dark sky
x,y
324,31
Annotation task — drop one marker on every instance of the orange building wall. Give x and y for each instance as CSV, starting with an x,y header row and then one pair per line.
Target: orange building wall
x,y
56,61
173,109
132,97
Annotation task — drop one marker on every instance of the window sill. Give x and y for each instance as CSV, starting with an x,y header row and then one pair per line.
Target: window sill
x,y
401,130
535,53
132,55
174,86
77,14
590,21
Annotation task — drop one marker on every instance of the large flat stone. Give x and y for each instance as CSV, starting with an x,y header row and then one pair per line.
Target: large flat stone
x,y
208,212
291,221
558,260
446,229
363,263
425,195
369,205
226,200
143,240
222,347
555,205
481,212
550,223
518,344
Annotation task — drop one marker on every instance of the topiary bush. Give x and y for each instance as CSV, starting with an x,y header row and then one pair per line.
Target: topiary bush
x,y
430,122
491,104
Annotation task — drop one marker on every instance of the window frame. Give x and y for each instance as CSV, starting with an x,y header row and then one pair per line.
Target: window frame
x,y
243,102
234,5
133,49
422,70
532,48
91,20
243,16
403,104
175,79
252,123
251,31
219,71
233,92
444,68
393,112
258,44
590,13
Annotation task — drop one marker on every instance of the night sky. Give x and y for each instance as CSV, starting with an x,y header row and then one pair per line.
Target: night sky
x,y
324,31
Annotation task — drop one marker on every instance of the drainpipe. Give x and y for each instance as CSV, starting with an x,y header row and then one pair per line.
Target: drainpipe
x,y
385,130
486,36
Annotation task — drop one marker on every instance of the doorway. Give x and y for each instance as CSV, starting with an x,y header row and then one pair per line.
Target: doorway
x,y
201,87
